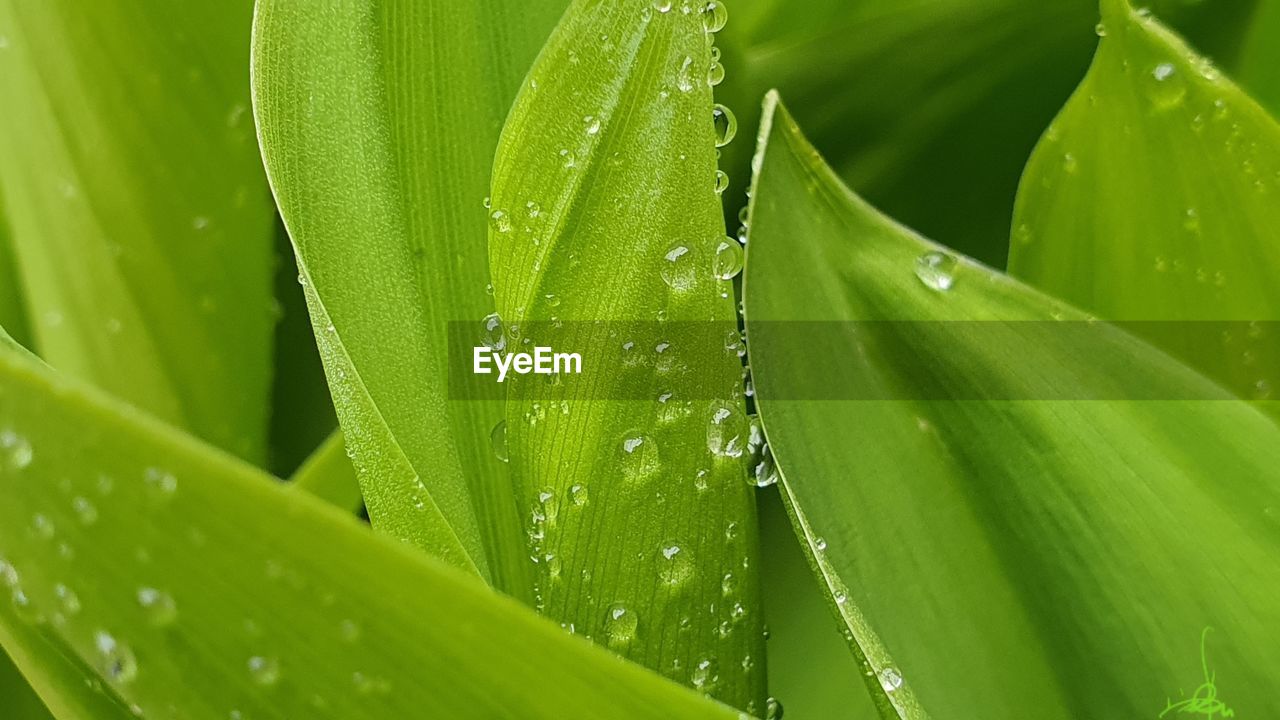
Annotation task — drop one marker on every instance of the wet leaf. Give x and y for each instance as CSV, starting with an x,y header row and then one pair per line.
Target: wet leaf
x,y
605,228
1005,484
141,221
185,579
1155,196
378,123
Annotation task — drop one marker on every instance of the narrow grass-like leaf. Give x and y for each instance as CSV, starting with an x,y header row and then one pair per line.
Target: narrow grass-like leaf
x,y
1003,537
329,475
140,216
378,123
604,211
192,583
1155,196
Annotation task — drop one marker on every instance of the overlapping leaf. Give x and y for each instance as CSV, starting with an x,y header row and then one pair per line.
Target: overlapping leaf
x,y
378,123
328,475
140,216
183,579
1154,197
989,504
605,217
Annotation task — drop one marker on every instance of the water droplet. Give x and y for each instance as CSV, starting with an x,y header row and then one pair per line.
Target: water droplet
x,y
1165,88
936,270
639,456
494,334
890,679
592,124
265,671
726,125
161,484
498,440
662,6
728,585
16,450
706,675
728,259
42,526
1100,29
675,564
714,16
67,599
500,221
84,510
772,709
715,73
765,472
578,495
620,626
157,605
116,661
677,271
1069,164
727,431
722,182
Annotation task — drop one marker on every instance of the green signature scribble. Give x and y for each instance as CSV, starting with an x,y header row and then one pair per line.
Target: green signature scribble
x,y
1204,701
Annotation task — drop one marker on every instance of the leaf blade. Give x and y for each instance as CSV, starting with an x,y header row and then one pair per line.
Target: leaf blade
x,y
1031,537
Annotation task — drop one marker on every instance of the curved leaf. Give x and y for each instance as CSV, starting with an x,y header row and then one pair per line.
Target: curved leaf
x,y
1260,58
991,506
378,122
140,216
188,581
21,701
1155,195
13,314
604,211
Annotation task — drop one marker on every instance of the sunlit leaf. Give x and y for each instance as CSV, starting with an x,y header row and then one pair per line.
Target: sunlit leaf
x,y
141,220
378,123
184,579
1156,196
604,209
1047,503
1260,57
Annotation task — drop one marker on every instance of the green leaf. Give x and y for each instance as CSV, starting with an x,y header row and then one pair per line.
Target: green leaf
x,y
1260,56
21,701
13,314
605,230
189,581
328,475
140,216
1154,197
1007,536
378,123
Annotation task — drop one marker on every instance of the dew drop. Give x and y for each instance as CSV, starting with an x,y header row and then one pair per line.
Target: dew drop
x,y
727,431
1165,87
677,269
662,6
494,334
772,709
765,472
1100,30
592,124
161,484
726,125
639,456
85,510
578,495
67,599
265,671
675,564
15,450
936,270
498,440
706,675
728,259
500,221
620,626
715,73
116,661
158,606
890,679
722,182
714,16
